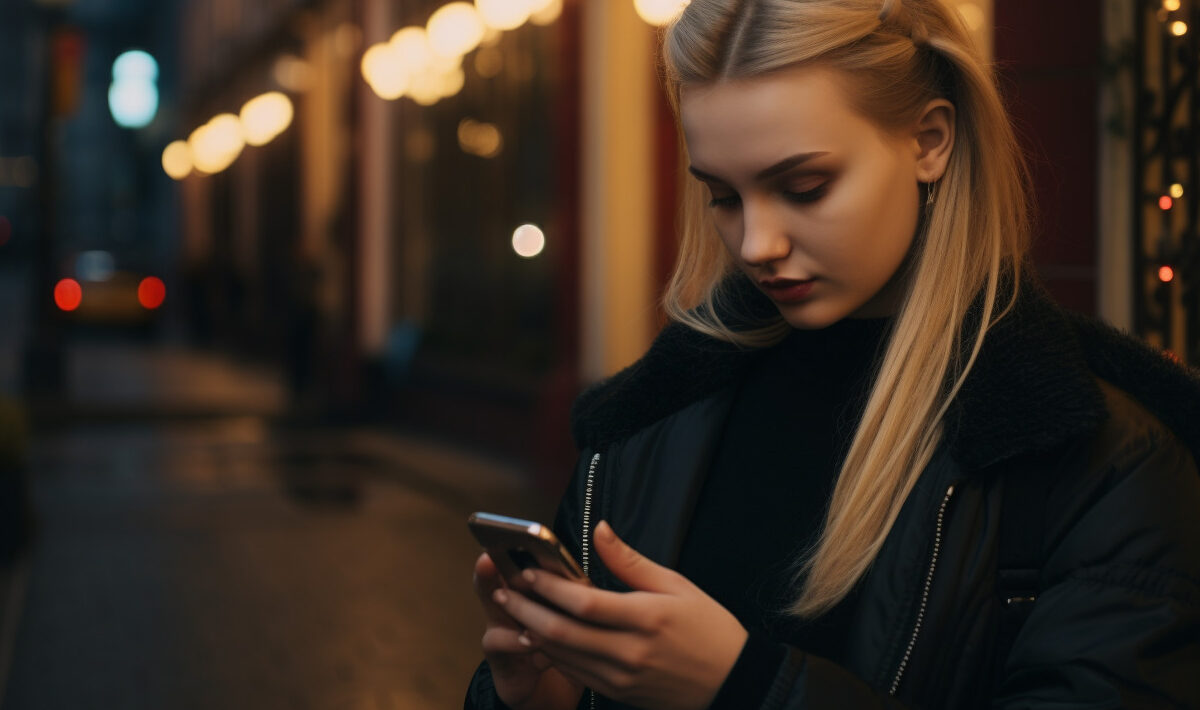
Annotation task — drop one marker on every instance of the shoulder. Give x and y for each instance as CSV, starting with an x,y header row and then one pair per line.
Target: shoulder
x,y
1045,377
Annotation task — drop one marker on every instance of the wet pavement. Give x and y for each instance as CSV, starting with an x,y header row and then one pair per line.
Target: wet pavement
x,y
227,560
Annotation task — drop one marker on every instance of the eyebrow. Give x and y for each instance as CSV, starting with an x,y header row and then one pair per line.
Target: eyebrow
x,y
778,168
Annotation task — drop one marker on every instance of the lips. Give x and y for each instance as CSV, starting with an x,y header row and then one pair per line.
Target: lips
x,y
787,290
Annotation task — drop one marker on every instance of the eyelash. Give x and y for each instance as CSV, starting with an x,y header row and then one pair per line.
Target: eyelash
x,y
796,197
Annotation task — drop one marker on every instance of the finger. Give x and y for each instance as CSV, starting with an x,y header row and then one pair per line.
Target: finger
x,y
503,640
617,610
630,566
584,669
550,625
486,579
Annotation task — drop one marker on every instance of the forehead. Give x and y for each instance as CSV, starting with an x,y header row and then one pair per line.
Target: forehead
x,y
746,123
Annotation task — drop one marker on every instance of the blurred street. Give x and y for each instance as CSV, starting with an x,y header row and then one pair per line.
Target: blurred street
x,y
192,551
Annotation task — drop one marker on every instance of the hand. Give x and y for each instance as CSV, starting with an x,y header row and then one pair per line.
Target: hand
x,y
666,644
523,677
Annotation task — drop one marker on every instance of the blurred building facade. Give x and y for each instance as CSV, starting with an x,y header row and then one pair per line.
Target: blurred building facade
x,y
368,247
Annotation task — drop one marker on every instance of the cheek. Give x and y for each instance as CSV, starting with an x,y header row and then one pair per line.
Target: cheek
x,y
875,232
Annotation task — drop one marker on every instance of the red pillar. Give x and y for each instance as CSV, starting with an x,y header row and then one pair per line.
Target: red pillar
x,y
1048,56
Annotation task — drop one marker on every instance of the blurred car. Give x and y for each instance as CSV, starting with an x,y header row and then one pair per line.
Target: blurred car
x,y
100,293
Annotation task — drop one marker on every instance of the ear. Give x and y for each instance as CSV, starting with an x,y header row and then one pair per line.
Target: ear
x,y
934,135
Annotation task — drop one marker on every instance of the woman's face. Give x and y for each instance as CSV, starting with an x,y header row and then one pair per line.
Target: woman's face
x,y
816,204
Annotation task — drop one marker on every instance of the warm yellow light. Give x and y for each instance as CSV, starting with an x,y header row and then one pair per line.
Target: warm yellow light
x,y
659,12
1179,29
528,241
489,62
292,73
266,116
482,139
411,49
382,71
546,12
491,37
426,89
455,29
216,144
451,82
1177,191
177,160
503,15
1171,5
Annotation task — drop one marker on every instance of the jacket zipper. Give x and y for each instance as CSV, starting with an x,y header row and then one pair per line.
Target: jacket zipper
x,y
933,560
586,537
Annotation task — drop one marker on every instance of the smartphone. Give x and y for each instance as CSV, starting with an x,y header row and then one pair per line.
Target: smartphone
x,y
516,545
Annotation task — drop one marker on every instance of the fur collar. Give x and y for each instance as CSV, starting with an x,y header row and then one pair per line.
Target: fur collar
x,y
1033,385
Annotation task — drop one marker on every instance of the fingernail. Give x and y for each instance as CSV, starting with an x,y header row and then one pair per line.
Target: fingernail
x,y
604,531
529,576
524,639
500,596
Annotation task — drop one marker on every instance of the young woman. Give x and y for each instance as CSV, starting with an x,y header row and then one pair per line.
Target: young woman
x,y
870,463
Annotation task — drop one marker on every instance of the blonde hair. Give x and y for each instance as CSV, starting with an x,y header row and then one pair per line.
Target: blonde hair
x,y
896,56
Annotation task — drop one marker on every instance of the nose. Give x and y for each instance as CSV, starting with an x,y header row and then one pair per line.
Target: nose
x,y
764,234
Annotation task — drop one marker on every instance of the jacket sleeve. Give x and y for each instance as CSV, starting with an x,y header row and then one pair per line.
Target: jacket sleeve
x,y
481,693
1118,621
1117,624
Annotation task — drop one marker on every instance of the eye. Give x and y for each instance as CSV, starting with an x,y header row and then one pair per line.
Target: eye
x,y
724,202
808,195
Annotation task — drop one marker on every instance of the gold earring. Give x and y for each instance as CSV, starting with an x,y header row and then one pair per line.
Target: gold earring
x,y
930,193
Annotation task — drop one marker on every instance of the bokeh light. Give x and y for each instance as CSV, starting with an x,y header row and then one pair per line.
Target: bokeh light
x,y
152,292
659,12
504,15
489,62
266,116
455,29
135,65
1179,29
68,295
216,144
177,160
477,138
381,68
411,49
1177,191
1171,5
528,240
133,95
292,73
546,12
1165,203
1166,274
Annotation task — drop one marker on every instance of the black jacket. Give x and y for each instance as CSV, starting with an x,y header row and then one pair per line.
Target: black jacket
x,y
1101,431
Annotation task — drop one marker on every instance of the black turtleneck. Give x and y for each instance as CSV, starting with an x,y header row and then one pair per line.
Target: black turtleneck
x,y
764,500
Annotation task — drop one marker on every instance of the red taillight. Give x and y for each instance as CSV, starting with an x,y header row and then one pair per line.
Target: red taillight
x,y
152,292
68,294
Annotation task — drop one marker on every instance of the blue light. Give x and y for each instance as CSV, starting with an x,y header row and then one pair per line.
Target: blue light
x,y
133,96
135,64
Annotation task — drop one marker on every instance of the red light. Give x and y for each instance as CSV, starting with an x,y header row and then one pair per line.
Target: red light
x,y
152,292
1166,274
68,294
1165,203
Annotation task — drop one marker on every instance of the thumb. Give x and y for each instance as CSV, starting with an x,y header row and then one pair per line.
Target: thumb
x,y
631,566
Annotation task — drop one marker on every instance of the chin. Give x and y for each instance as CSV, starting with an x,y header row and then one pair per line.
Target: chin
x,y
811,315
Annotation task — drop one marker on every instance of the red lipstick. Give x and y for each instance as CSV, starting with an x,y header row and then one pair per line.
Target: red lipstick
x,y
787,290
